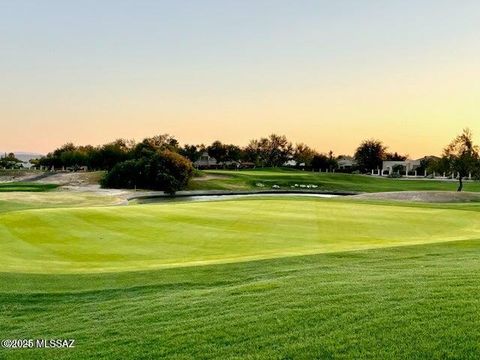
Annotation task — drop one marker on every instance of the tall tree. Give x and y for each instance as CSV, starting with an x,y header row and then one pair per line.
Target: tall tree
x,y
324,162
462,156
218,151
370,154
154,144
252,153
395,157
112,153
272,151
279,150
303,154
192,152
234,152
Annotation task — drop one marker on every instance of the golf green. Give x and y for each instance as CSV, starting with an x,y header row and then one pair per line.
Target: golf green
x,y
141,237
408,291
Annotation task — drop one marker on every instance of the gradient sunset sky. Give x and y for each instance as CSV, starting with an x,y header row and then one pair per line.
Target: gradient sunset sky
x,y
327,73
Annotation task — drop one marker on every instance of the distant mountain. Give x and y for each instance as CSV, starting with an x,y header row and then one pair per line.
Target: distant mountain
x,y
24,156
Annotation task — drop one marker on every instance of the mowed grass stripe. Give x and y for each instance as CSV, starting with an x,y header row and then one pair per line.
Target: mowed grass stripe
x,y
409,302
184,234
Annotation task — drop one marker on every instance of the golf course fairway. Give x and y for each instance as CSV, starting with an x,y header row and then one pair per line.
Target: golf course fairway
x,y
142,237
253,278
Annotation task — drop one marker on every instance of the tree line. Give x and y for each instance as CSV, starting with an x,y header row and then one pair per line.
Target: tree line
x,y
9,161
161,163
272,151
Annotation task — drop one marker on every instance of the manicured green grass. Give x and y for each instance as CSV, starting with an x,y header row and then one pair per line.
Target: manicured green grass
x,y
416,302
182,234
26,187
285,178
15,201
281,278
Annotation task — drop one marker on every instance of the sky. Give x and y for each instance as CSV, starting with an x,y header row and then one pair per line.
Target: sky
x,y
326,73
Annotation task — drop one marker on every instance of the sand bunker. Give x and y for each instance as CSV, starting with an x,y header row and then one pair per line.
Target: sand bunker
x,y
423,196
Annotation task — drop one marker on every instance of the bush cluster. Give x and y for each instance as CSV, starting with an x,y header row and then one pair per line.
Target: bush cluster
x,y
163,170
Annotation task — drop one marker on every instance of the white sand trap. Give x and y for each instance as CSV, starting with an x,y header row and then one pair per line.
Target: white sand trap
x,y
423,196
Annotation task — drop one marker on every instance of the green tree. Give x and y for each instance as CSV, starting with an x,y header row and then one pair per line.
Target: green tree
x,y
303,154
272,151
279,150
324,161
218,151
256,152
113,153
370,154
320,161
192,152
164,170
395,157
234,152
9,161
462,156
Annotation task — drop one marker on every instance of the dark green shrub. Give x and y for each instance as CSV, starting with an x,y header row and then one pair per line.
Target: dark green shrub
x,y
163,170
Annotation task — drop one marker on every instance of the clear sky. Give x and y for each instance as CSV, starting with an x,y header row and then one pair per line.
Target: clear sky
x,y
328,73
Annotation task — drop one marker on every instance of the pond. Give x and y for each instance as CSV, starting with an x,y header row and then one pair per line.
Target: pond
x,y
216,197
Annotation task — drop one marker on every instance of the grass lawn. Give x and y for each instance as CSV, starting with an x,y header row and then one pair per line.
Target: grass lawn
x,y
182,234
411,302
281,278
285,178
15,201
26,187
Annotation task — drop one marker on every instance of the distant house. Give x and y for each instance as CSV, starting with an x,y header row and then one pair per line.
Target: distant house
x,y
26,157
205,161
27,165
346,162
407,166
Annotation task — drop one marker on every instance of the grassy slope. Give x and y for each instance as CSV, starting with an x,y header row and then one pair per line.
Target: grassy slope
x,y
152,236
247,179
418,302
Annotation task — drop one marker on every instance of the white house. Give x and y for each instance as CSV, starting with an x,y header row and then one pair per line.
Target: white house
x,y
408,166
346,162
205,161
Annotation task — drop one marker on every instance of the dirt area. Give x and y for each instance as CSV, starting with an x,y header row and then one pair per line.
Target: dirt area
x,y
77,183
73,178
422,196
210,177
19,175
82,182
